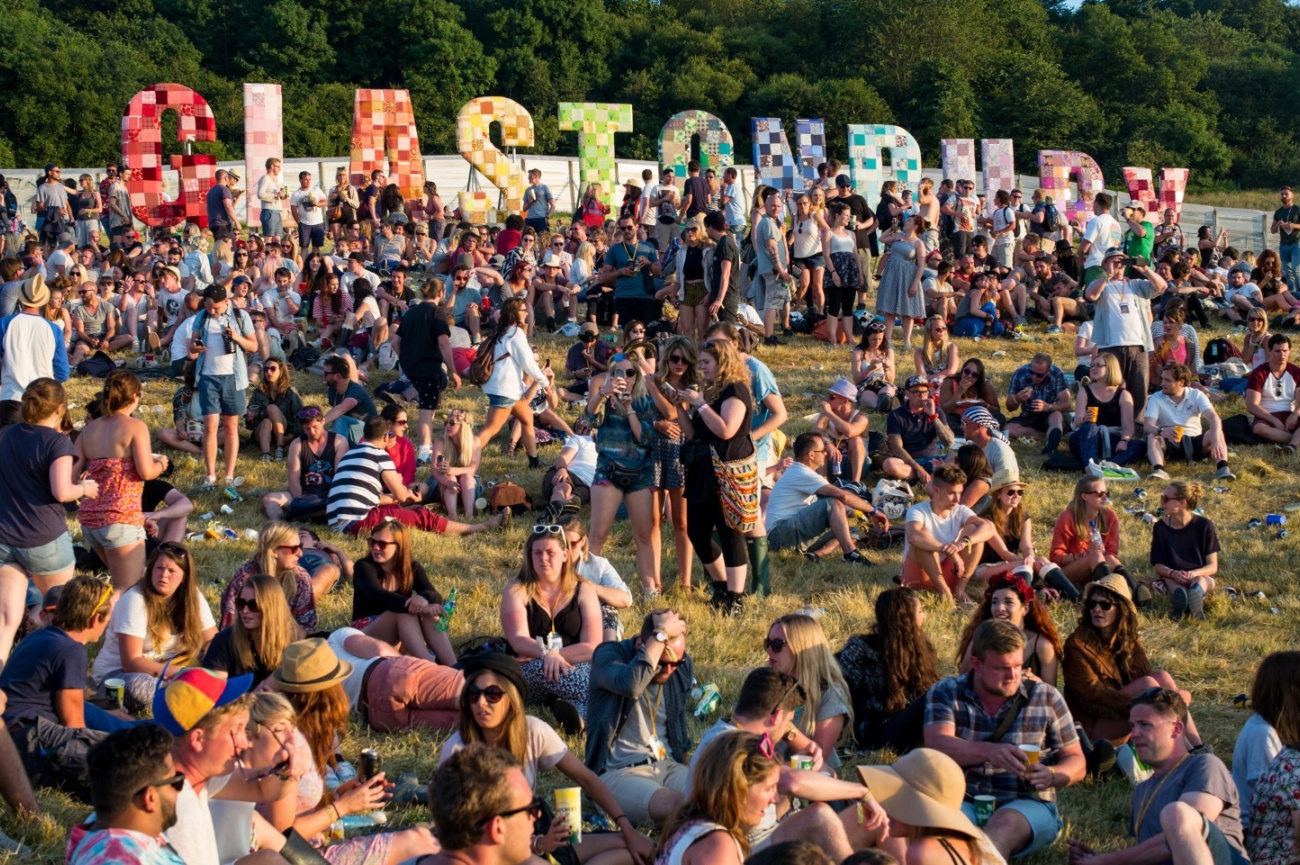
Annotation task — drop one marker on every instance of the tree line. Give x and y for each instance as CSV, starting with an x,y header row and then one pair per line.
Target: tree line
x,y
1206,84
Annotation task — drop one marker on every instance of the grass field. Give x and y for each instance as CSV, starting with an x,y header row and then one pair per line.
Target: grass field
x,y
1214,659
1251,199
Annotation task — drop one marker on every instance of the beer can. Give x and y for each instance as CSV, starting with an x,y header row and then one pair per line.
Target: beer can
x,y
370,763
568,808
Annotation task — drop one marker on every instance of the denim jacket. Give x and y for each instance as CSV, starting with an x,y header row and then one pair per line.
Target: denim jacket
x,y
620,675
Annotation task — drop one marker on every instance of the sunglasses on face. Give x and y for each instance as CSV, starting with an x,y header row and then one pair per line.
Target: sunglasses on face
x,y
775,645
676,358
1100,604
1165,498
290,548
491,693
176,782
1102,493
533,809
249,604
383,545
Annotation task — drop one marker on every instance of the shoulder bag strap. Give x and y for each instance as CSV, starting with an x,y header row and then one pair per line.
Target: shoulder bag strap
x,y
1009,721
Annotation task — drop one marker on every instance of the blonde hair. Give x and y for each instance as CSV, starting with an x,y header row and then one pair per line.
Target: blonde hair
x,y
460,450
528,581
815,666
929,347
731,369
269,707
586,253
278,630
1114,376
276,534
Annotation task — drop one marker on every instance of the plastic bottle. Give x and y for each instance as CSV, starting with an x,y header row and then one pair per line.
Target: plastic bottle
x,y
709,700
1096,532
448,609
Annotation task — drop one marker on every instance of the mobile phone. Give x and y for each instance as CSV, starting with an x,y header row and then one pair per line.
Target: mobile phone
x,y
620,373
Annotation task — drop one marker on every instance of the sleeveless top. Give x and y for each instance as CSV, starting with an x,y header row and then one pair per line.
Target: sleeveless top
x,y
567,622
676,847
807,240
316,472
120,490
1107,412
847,243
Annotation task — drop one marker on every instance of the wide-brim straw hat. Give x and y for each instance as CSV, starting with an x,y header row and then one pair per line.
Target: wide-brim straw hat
x,y
310,665
923,788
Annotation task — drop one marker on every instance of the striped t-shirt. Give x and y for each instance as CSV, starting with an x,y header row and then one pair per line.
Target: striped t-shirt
x,y
357,485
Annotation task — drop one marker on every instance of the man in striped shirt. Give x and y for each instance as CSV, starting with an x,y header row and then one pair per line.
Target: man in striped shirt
x,y
367,489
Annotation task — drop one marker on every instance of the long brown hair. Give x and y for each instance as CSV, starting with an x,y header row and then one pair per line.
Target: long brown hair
x,y
906,653
514,737
1125,645
1078,510
1275,696
179,614
731,369
1037,618
321,716
277,631
1008,523
403,573
282,384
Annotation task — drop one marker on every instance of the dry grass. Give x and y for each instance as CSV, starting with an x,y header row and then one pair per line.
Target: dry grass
x,y
1251,199
1215,659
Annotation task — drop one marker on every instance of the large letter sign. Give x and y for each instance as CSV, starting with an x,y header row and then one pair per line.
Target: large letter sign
x,y
865,164
1055,167
1173,183
384,137
716,144
142,153
263,139
472,140
596,123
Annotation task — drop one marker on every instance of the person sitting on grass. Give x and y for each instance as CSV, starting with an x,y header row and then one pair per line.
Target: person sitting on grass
x,y
796,644
1180,422
1009,598
255,642
944,539
845,430
1188,810
313,458
1184,551
1039,390
1106,666
393,599
1271,396
186,431
168,522
277,554
1112,435
1270,807
273,410
326,563
806,513
483,809
596,570
913,431
1085,539
455,459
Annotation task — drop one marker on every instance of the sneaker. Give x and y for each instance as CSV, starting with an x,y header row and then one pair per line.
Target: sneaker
x,y
424,457
1133,768
856,558
734,605
151,339
809,555
1142,598
1224,474
1021,322
1196,603
1178,603
266,458
772,340
1102,759
786,331
208,486
1159,474
279,454
1054,329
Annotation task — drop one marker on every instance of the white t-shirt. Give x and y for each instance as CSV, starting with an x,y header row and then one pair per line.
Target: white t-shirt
x,y
1001,456
650,216
795,490
1085,331
215,360
193,834
582,465
58,258
1248,290
598,571
1103,233
131,618
272,298
944,530
352,684
545,748
1164,412
181,338
349,279
171,303
1122,306
314,216
1004,218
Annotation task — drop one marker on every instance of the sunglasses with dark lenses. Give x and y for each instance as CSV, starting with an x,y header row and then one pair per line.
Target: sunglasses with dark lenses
x,y
775,645
176,782
249,604
1103,604
491,693
534,809
375,542
290,548
676,358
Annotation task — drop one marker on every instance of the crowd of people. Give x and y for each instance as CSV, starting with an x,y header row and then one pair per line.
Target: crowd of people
x,y
203,739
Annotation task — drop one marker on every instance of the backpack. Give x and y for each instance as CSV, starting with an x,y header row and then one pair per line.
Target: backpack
x,y
1218,350
304,357
98,365
508,495
1052,219
484,362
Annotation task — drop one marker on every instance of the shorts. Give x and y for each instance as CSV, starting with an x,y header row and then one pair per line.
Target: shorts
x,y
404,692
312,561
802,530
223,231
644,478
774,291
112,536
429,391
694,292
1191,449
311,235
914,576
1283,416
580,490
634,786
364,622
1035,420
498,401
811,262
1221,851
52,558
1043,819
765,464
218,395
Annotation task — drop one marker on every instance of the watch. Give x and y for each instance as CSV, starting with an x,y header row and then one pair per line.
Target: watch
x,y
661,636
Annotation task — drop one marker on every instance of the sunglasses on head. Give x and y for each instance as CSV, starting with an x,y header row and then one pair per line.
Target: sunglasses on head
x,y
547,529
491,693
249,604
775,645
310,413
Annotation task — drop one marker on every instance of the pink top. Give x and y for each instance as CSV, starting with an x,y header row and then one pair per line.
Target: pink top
x,y
120,489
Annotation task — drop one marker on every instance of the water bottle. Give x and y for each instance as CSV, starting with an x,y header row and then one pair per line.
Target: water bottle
x,y
709,700
448,609
1096,532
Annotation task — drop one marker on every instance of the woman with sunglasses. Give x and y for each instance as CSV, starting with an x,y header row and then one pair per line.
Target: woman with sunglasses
x,y
160,626
733,786
937,356
694,259
679,373
1010,598
393,599
255,642
330,310
1111,435
872,367
1085,539
273,410
1184,551
278,549
796,645
899,294
312,677
597,571
492,713
620,408
552,620
512,360
57,312
889,672
1106,665
967,389
456,458
402,453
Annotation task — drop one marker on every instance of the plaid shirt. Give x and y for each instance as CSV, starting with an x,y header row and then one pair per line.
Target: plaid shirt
x,y
1044,721
1047,391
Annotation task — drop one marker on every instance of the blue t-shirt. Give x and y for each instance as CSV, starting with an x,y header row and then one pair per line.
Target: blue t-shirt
x,y
636,286
42,663
365,406
916,430
538,201
217,198
762,384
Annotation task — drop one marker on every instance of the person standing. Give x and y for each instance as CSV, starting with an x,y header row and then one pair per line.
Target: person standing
x,y
219,339
1122,323
862,222
272,192
696,193
733,206
1101,235
425,355
1286,225
33,348
308,202
664,205
772,284
221,206
539,203
629,264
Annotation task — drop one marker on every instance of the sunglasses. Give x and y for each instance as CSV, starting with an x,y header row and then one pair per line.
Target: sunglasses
x,y
533,809
1100,604
775,645
1103,493
249,604
766,747
176,782
676,358
290,548
375,542
1014,492
310,413
491,693
1165,498
401,423
547,529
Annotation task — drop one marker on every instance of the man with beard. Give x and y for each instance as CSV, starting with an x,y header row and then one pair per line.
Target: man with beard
x,y
134,785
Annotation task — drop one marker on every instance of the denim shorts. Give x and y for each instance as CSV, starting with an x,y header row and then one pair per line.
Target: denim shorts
x,y
1042,817
52,558
802,529
113,536
218,395
496,401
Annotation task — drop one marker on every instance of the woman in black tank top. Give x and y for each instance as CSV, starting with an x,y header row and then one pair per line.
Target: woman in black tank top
x,y
1010,599
1106,396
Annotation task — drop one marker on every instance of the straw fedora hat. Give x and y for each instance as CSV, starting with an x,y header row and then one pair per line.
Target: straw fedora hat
x,y
1004,478
1113,583
923,788
310,665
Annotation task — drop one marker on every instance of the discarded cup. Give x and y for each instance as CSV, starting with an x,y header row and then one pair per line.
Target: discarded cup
x,y
1219,489
1140,493
209,515
1282,534
250,534
227,509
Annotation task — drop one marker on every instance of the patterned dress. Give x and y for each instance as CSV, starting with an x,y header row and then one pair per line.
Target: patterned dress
x,y
1270,834
900,272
